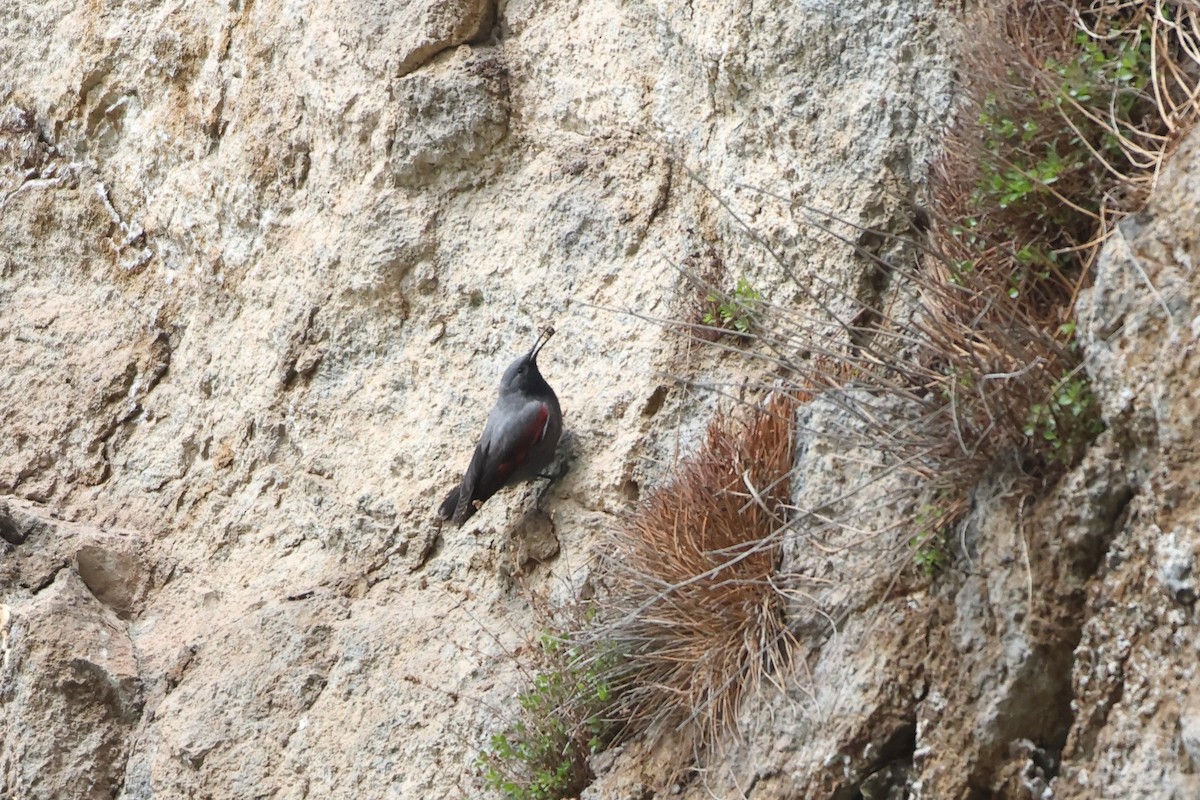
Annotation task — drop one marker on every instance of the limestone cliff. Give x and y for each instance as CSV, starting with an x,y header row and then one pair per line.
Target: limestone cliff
x,y
262,263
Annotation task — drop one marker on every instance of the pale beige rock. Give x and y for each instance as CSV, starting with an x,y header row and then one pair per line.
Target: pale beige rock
x,y
114,578
449,114
430,26
71,696
261,266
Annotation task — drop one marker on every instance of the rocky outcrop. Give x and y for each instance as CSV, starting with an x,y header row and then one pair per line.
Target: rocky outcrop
x,y
73,693
1055,659
1134,683
261,265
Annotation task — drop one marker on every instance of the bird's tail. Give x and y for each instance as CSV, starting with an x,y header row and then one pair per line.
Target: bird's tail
x,y
450,504
456,508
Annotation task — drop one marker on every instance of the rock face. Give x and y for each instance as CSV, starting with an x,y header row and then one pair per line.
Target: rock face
x,y
261,266
1060,661
70,671
1134,676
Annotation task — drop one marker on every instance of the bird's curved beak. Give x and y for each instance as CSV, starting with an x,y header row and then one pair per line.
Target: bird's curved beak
x,y
543,337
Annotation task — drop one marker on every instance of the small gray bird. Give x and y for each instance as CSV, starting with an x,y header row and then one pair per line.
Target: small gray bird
x,y
518,440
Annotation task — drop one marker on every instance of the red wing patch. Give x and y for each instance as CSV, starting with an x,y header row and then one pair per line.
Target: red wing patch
x,y
530,438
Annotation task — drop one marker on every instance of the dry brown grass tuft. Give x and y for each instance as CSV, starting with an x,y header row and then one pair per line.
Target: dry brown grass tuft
x,y
965,358
959,359
690,603
1069,110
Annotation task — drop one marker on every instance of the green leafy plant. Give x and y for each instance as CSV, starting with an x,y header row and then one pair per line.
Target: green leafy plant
x,y
928,545
1067,422
929,552
542,754
736,312
1069,111
1114,68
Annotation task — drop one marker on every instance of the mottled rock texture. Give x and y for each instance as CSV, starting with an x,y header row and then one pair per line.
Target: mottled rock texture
x,y
261,266
1058,658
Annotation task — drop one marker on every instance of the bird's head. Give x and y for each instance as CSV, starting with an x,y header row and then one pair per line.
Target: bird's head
x,y
522,375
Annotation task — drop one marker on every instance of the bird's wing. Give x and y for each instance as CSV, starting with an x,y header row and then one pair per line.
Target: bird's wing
x,y
507,442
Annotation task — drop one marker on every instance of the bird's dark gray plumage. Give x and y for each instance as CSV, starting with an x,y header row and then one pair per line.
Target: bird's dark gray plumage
x,y
518,440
